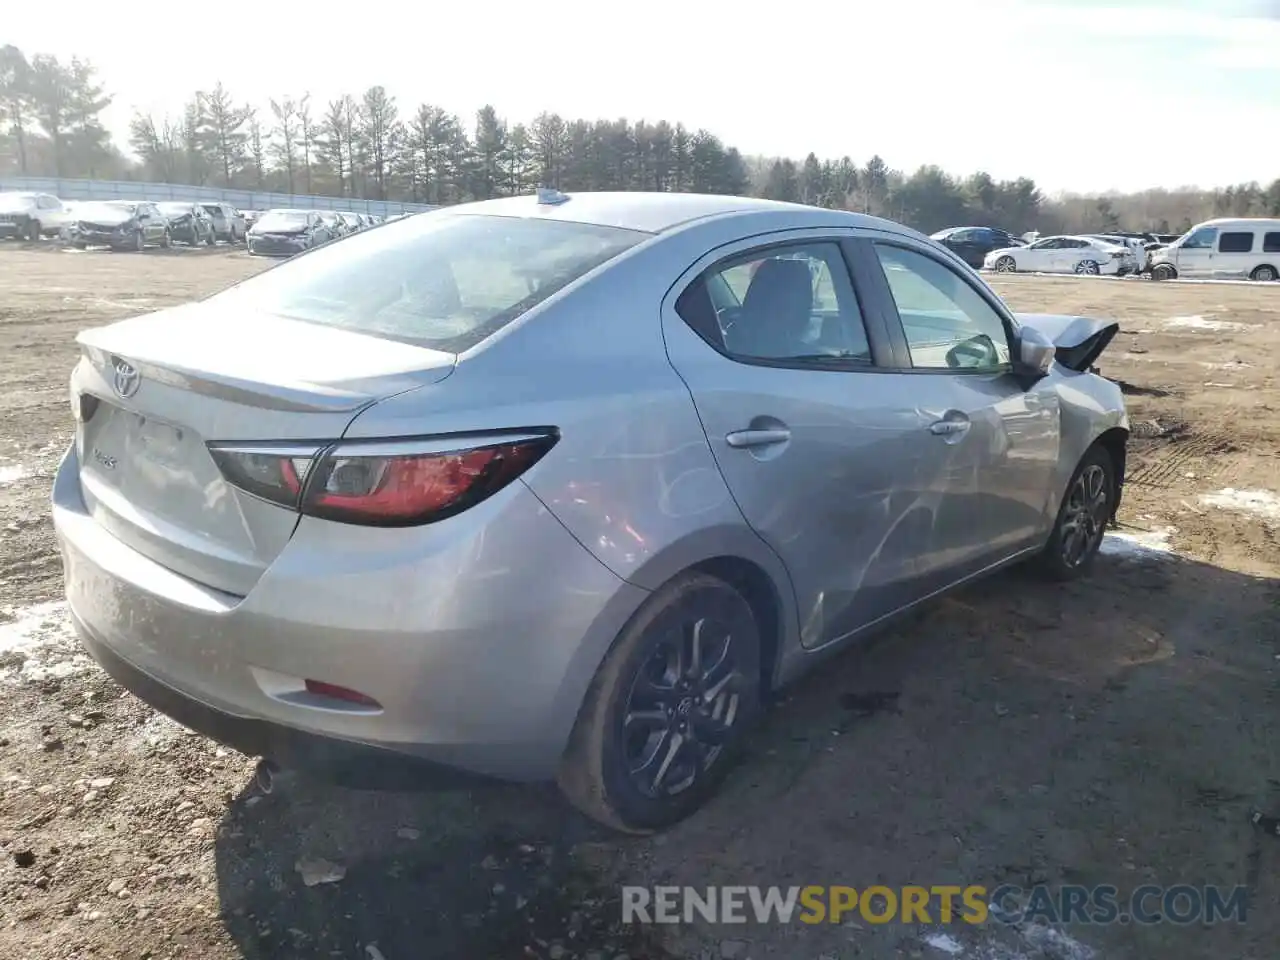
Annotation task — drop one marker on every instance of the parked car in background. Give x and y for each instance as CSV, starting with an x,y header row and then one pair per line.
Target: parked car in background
x,y
250,218
1223,249
30,216
972,244
437,528
284,232
1062,255
333,223
119,224
188,222
1135,246
228,222
351,222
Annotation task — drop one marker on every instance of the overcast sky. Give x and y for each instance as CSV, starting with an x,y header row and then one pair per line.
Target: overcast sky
x,y
1079,94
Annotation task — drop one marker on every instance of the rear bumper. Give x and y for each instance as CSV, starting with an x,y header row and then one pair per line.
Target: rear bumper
x,y
346,762
478,638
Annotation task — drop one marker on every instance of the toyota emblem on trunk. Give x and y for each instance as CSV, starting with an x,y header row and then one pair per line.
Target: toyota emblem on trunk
x,y
126,378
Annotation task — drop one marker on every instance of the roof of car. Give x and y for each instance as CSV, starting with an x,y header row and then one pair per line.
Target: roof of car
x,y
648,212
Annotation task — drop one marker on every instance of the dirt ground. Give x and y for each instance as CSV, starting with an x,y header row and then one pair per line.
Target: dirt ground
x,y
1119,730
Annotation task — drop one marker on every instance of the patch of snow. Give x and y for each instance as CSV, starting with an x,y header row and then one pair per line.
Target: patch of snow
x,y
11,474
1138,544
1227,365
1211,383
42,635
1056,944
945,942
1197,322
157,731
1262,503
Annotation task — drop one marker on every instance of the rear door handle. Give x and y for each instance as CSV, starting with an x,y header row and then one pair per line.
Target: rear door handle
x,y
949,428
741,439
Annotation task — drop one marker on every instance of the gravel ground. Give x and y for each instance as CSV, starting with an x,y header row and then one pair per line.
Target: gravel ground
x,y
1119,730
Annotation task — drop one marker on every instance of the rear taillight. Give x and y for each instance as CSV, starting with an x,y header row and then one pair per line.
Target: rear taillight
x,y
395,483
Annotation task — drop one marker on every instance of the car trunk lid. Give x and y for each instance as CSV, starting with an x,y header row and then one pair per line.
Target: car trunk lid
x,y
153,391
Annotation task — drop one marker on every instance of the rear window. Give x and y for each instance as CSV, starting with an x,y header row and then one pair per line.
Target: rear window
x,y
1271,243
445,282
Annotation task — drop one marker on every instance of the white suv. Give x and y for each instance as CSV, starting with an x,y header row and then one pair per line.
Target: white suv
x,y
30,216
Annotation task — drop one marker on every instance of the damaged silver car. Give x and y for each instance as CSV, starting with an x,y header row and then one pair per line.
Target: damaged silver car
x,y
564,486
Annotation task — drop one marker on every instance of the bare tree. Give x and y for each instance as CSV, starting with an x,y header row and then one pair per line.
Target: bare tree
x,y
284,137
306,129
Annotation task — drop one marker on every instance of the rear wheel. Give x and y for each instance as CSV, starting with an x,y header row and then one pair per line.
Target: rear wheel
x,y
1086,510
667,709
1264,274
1087,266
1006,265
1163,271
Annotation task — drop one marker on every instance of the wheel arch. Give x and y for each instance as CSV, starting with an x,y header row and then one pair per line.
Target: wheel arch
x,y
1115,441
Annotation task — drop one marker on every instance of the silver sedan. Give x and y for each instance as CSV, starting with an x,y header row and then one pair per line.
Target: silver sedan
x,y
564,486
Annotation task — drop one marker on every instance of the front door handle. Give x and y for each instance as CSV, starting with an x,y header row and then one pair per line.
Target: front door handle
x,y
949,428
741,439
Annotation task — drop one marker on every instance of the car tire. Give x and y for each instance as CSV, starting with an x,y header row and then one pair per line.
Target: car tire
x,y
1006,265
1163,271
642,723
1088,506
34,231
139,242
1265,274
1089,267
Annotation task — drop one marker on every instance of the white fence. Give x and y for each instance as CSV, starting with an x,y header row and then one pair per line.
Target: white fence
x,y
243,199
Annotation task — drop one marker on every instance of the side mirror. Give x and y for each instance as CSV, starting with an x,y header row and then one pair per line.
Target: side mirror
x,y
1035,353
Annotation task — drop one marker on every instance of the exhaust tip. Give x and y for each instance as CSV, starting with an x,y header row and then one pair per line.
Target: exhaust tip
x,y
265,775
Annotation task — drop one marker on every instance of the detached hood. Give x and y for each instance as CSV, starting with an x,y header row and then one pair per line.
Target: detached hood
x,y
1080,340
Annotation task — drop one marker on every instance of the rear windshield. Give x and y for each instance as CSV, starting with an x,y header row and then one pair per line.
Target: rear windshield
x,y
445,282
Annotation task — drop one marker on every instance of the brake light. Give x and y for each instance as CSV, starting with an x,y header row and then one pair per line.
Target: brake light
x,y
385,483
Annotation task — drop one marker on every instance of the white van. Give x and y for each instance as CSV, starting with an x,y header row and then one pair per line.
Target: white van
x,y
1222,250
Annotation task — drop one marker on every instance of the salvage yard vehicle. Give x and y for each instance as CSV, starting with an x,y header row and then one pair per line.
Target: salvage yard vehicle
x,y
972,244
119,224
31,216
1063,255
563,486
188,222
282,233
1234,249
228,222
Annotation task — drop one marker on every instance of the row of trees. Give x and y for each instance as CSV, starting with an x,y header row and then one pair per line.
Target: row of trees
x,y
368,146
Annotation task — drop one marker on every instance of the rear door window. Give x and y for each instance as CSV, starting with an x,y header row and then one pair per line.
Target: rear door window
x,y
1237,242
1271,243
445,282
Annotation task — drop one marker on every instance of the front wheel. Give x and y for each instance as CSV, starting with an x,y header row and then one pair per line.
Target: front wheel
x,y
1087,267
33,230
667,709
1264,274
1006,265
1082,521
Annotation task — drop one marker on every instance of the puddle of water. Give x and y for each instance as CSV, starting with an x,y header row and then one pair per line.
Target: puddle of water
x,y
1261,503
1139,544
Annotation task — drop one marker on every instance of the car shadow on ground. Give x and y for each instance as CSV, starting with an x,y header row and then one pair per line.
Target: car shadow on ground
x,y
1107,731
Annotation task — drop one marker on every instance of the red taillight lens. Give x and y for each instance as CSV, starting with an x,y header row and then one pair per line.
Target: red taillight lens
x,y
334,692
392,483
403,489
